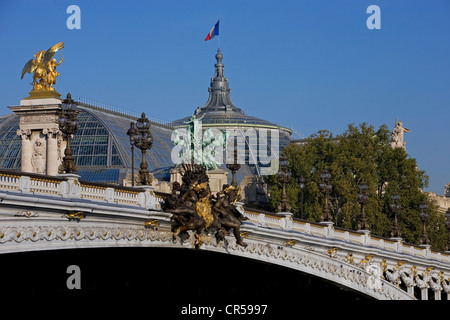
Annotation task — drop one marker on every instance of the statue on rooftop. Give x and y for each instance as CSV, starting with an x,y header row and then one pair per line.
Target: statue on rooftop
x,y
397,139
43,67
198,146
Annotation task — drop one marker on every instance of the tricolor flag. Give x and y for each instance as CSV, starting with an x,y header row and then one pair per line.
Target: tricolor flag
x,y
214,32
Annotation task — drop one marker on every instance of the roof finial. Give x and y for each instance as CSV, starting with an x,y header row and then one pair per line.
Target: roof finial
x,y
219,56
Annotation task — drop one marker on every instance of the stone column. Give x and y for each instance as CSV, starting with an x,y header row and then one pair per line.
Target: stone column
x,y
424,294
39,128
26,150
52,151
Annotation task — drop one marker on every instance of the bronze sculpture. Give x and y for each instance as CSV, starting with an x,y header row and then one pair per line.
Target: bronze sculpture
x,y
196,209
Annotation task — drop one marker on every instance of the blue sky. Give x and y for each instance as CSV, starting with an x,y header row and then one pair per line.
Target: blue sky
x,y
307,65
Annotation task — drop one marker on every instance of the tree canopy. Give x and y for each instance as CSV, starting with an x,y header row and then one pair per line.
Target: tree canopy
x,y
360,153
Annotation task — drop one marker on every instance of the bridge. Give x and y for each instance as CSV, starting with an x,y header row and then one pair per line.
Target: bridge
x,y
41,213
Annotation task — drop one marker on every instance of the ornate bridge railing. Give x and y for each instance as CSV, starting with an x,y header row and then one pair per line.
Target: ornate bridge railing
x,y
349,236
68,186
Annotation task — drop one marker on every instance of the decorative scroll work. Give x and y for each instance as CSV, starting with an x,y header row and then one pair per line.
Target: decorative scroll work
x,y
64,233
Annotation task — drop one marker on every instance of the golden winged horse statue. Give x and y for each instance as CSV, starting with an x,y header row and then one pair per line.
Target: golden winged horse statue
x,y
44,67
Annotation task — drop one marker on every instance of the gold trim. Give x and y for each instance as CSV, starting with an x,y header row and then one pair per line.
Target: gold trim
x,y
152,224
290,243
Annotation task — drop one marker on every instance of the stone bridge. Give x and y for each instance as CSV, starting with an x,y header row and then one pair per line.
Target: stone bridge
x,y
46,213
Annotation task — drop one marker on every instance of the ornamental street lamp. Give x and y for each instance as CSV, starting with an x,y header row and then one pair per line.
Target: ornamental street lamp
x,y
396,207
143,140
423,214
325,188
302,182
362,200
131,134
234,167
68,125
283,178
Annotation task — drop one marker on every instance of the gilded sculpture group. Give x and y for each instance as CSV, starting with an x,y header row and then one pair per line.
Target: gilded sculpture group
x,y
43,67
193,207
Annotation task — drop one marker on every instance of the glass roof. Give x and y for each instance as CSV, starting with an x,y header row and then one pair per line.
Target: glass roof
x,y
10,143
102,148
100,175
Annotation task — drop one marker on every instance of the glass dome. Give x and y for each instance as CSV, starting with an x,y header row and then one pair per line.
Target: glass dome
x,y
101,147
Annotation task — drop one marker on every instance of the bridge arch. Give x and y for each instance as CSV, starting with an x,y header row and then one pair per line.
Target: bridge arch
x,y
154,273
305,260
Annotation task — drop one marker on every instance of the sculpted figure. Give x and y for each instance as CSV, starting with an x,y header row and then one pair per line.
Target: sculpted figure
x,y
184,212
397,136
52,73
43,67
38,156
195,209
227,213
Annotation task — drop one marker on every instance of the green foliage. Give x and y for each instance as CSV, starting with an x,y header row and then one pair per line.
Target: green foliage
x,y
360,153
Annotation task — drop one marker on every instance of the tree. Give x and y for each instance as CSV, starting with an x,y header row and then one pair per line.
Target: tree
x,y
360,153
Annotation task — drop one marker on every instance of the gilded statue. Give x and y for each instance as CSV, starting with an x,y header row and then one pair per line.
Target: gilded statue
x,y
43,66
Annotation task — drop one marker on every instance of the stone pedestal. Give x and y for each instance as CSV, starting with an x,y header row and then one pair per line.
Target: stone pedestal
x,y
366,237
398,243
217,178
42,145
147,199
287,221
70,187
329,230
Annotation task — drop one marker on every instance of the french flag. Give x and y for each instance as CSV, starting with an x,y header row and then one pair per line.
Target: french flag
x,y
214,32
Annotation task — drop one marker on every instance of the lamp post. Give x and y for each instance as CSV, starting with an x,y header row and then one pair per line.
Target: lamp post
x,y
143,140
301,181
68,125
396,207
131,134
234,167
283,178
423,214
325,188
362,200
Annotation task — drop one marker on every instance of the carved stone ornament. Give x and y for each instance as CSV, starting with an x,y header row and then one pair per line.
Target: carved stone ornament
x,y
26,214
38,156
24,134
